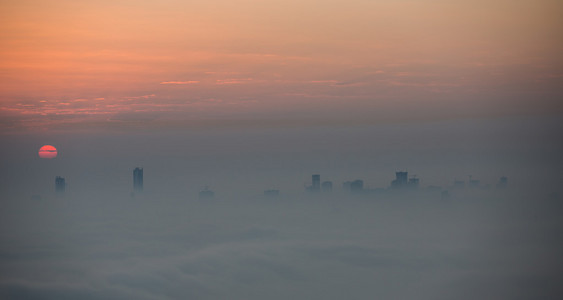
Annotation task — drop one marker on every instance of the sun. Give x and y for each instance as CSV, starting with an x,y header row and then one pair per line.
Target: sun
x,y
47,151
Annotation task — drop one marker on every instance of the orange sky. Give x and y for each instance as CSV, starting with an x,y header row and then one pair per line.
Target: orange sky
x,y
89,63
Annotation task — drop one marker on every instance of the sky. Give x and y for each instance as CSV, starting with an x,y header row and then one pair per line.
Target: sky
x,y
95,65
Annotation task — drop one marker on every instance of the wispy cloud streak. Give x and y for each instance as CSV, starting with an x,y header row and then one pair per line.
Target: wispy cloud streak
x,y
181,82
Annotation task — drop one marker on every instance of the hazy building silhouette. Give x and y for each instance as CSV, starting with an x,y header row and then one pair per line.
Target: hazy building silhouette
x,y
327,186
60,184
357,186
316,186
138,179
474,183
413,183
271,193
206,193
502,182
401,180
459,184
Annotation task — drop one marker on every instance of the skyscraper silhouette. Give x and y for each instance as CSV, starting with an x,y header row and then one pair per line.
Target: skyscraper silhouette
x,y
138,179
60,184
316,187
327,186
400,181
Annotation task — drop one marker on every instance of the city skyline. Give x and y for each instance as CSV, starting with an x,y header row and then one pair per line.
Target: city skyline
x,y
402,182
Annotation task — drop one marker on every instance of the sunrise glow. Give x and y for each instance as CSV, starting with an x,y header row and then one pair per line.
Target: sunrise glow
x,y
96,62
47,151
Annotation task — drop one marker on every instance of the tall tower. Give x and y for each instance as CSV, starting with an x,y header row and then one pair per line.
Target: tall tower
x,y
316,187
402,177
60,184
138,179
400,181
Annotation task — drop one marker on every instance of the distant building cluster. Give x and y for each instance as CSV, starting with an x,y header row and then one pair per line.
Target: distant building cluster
x,y
401,182
316,185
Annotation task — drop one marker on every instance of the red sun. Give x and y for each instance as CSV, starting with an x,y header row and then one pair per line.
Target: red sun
x,y
48,151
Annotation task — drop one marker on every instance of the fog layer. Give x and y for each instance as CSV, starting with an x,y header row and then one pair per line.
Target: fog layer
x,y
99,241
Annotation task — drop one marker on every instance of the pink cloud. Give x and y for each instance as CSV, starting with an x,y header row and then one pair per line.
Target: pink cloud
x,y
324,81
180,82
233,81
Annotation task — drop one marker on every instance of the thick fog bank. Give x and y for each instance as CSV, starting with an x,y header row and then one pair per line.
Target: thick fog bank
x,y
456,236
491,246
